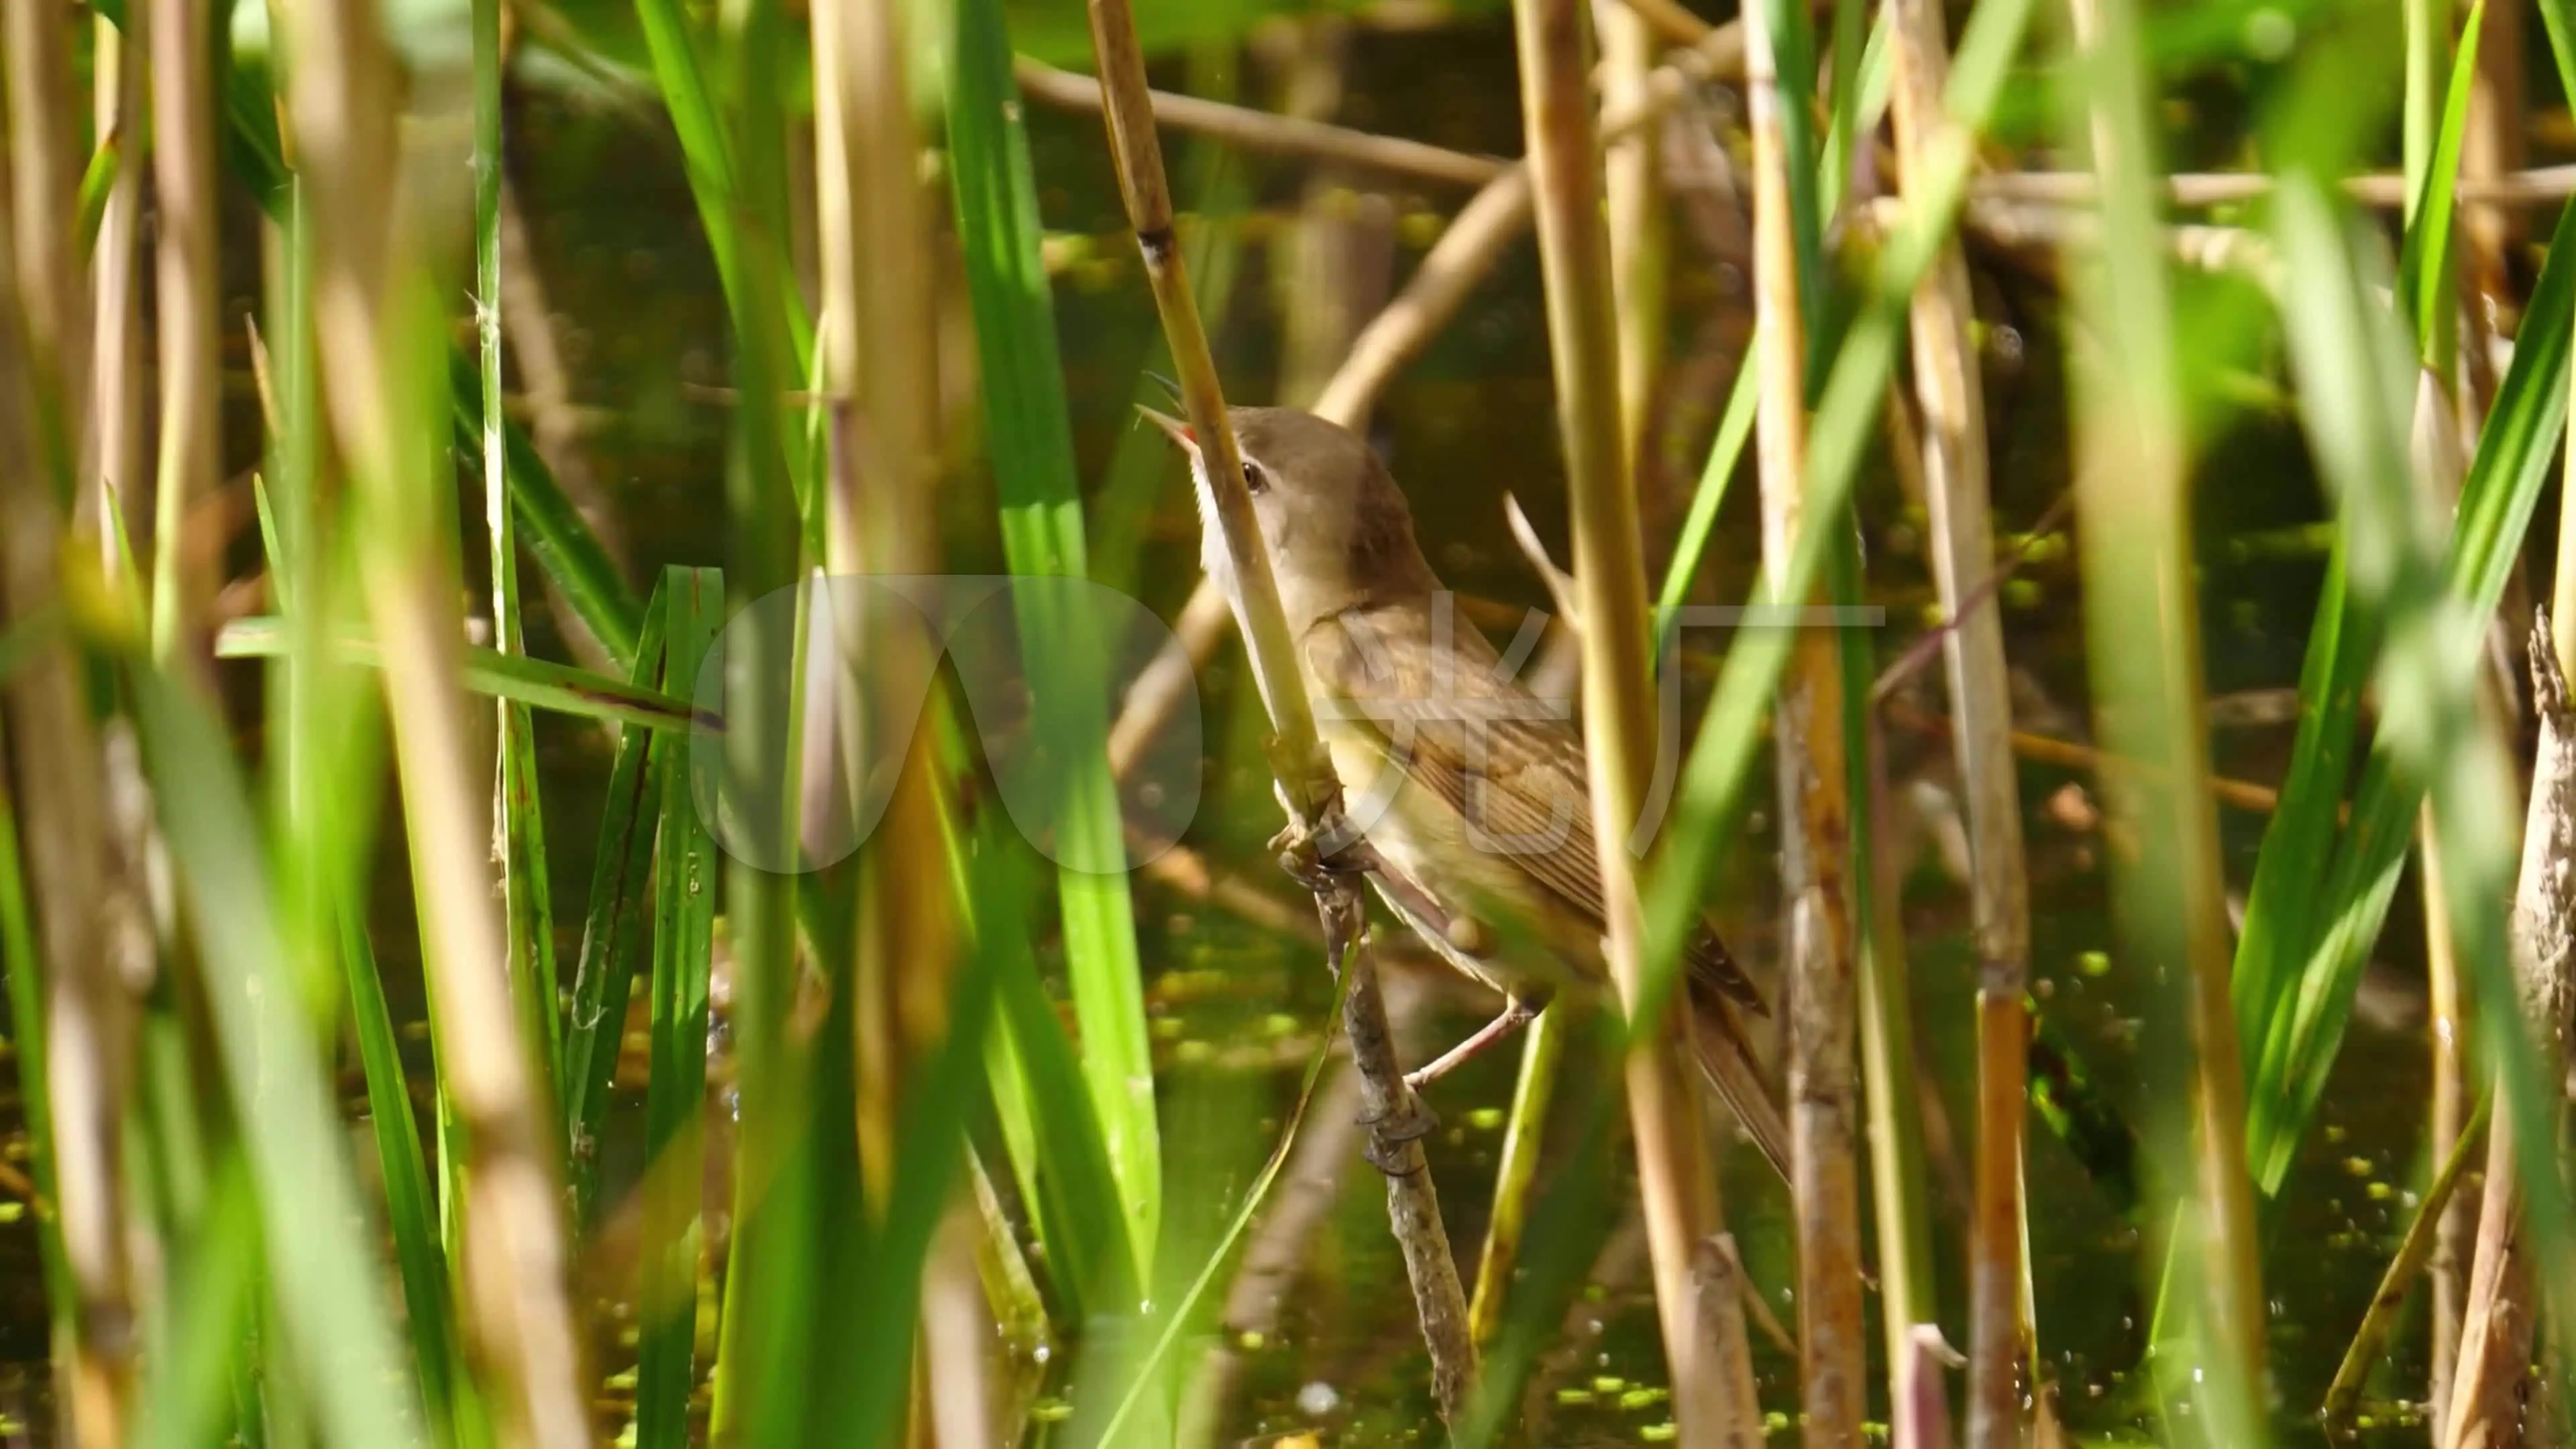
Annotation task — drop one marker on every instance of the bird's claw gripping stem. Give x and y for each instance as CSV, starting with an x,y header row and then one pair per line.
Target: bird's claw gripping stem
x,y
1394,1130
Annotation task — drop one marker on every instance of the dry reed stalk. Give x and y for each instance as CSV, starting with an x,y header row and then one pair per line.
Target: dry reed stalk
x,y
2537,186
1305,773
1640,240
53,754
2069,754
879,353
1816,833
185,207
2487,1393
1951,395
45,172
1256,130
2137,569
370,311
958,1335
116,323
2447,1021
1703,1325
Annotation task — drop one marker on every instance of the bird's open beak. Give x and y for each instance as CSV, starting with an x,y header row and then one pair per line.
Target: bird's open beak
x,y
1170,388
1173,428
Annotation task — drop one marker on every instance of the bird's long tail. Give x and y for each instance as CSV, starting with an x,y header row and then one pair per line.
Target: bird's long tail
x,y
1726,1058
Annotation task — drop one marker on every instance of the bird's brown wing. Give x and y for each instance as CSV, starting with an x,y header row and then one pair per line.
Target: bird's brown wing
x,y
1508,762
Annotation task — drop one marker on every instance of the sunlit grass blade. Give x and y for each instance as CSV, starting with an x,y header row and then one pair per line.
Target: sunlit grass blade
x,y
327,1285
675,1097
718,183
2424,273
1031,440
2354,386
558,539
1177,1319
612,931
2319,972
527,899
192,1400
411,1208
1733,431
561,688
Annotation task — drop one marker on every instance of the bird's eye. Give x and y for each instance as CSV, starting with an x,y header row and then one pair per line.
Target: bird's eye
x,y
1254,477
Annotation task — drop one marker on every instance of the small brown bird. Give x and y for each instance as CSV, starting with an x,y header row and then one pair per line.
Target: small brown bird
x,y
1473,791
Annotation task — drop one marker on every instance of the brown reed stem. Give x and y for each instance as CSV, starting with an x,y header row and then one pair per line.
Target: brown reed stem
x,y
191,352
1949,391
878,350
2487,1393
1304,772
1816,834
372,329
53,754
45,173
1703,1326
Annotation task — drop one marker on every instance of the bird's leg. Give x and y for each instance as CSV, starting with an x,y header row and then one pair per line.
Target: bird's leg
x,y
1516,1014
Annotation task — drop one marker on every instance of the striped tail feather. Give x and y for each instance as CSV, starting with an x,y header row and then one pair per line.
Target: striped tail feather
x,y
1726,1059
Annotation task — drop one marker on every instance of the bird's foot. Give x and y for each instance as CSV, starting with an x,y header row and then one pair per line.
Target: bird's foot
x,y
1390,1133
1308,861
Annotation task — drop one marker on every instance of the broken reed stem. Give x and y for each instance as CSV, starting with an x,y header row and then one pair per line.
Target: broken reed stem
x,y
2494,1366
54,756
1816,832
1703,1326
1949,390
190,354
375,340
1304,772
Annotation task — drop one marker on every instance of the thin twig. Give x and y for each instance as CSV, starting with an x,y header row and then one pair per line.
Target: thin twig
x,y
1265,131
1305,773
2538,186
2371,1338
